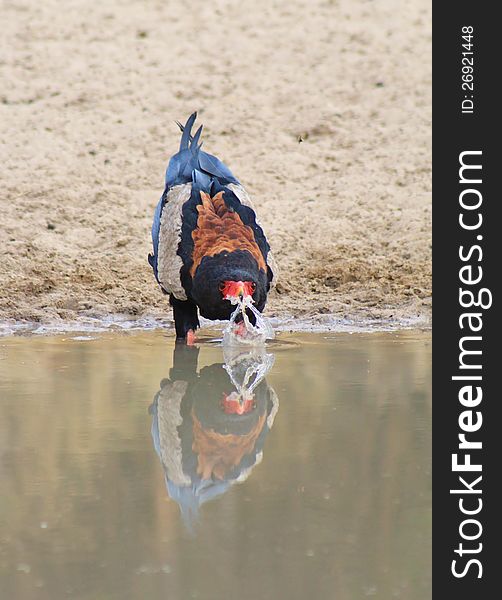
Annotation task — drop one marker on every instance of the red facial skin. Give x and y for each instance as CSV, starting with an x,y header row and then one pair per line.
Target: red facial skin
x,y
234,289
232,406
240,328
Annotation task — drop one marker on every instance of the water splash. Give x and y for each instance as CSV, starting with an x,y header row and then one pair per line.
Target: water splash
x,y
245,332
247,368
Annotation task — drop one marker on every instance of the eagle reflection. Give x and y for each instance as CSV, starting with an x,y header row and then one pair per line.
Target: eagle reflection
x,y
209,427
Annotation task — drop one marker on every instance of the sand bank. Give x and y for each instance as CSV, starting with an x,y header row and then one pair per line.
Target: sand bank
x,y
322,109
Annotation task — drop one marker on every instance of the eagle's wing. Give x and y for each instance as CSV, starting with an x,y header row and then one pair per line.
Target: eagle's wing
x,y
245,200
166,235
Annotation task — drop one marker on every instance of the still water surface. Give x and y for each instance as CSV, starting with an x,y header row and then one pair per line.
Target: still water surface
x,y
131,471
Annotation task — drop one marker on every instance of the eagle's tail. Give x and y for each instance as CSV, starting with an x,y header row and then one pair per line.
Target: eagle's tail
x,y
191,164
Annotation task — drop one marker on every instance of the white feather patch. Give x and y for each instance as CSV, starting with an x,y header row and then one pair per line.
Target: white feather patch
x,y
169,263
245,199
169,419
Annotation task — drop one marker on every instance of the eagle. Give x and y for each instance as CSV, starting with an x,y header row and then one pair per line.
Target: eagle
x,y
208,245
209,424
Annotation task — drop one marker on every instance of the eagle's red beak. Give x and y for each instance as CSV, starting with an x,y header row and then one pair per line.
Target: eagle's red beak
x,y
237,289
233,404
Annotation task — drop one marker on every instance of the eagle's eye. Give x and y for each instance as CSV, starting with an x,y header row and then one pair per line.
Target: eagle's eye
x,y
221,286
253,286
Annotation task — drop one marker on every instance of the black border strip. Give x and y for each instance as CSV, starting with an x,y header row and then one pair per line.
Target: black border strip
x,y
456,132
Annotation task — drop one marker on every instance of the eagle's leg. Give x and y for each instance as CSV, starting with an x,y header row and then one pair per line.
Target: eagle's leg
x,y
186,320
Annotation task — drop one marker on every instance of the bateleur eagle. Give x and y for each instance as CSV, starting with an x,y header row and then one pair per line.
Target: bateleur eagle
x,y
208,245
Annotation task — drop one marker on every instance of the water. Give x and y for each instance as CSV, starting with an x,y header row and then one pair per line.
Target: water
x,y
122,477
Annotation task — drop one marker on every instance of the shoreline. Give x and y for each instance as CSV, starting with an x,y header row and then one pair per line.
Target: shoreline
x,y
124,324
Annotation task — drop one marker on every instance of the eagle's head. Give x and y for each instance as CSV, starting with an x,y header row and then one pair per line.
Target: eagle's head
x,y
224,276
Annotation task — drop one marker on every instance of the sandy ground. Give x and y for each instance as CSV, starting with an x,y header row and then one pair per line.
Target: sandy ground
x,y
88,99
